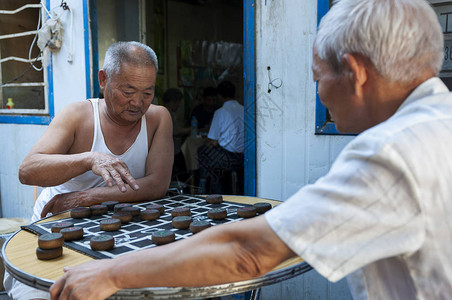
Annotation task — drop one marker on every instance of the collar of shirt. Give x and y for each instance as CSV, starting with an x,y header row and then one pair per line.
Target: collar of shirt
x,y
431,86
230,102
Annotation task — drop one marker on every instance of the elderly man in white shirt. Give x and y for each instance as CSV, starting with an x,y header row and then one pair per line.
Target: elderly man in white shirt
x,y
226,139
384,207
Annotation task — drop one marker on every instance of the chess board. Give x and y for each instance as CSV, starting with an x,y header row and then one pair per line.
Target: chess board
x,y
137,234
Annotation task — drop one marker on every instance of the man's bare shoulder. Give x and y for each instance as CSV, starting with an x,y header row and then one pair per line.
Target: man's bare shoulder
x,y
76,109
157,112
76,116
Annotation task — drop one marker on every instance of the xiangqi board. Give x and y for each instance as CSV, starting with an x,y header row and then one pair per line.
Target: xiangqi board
x,y
137,234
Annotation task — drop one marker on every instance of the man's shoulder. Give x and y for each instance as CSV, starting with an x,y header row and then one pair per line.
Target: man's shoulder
x,y
76,109
157,112
85,104
156,109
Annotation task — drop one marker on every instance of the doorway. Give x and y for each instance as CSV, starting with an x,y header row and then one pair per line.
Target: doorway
x,y
198,42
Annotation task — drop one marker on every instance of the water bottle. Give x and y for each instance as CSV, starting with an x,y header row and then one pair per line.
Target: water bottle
x,y
10,104
194,127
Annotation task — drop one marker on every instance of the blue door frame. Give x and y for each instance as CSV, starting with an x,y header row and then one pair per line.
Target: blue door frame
x,y
249,85
249,75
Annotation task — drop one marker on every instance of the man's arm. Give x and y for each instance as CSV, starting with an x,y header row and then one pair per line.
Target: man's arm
x,y
225,253
56,158
153,185
49,162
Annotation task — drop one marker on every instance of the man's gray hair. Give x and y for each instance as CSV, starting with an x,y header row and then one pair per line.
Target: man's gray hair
x,y
402,38
126,52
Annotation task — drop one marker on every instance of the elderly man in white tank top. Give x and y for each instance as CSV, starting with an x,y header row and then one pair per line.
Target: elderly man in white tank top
x,y
117,148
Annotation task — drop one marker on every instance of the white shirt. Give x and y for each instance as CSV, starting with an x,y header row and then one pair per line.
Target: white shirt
x,y
228,126
385,206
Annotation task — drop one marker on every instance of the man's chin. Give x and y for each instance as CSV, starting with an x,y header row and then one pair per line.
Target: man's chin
x,y
344,129
128,117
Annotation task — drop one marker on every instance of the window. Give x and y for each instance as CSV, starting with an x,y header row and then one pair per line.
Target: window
x,y
24,90
323,122
443,10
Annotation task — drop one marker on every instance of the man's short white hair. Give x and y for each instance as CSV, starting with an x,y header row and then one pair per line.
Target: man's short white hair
x,y
125,52
402,38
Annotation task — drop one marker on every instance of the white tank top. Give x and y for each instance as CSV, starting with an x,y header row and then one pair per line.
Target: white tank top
x,y
134,157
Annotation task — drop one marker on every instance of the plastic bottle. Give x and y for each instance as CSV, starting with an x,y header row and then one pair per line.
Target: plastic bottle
x,y
194,127
10,103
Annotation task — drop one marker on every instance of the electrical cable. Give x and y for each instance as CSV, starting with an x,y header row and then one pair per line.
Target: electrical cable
x,y
32,44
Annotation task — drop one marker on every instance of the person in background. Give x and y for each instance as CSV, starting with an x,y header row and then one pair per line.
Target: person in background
x,y
204,111
384,206
171,100
225,141
118,148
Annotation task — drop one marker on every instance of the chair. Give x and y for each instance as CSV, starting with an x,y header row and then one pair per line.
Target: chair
x,y
227,182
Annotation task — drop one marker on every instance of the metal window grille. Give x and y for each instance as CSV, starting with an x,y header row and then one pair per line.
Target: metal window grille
x,y
22,79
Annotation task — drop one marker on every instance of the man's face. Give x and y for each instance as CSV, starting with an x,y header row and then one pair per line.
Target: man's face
x,y
209,102
336,94
174,105
129,94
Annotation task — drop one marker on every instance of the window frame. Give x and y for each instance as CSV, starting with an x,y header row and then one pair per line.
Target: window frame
x,y
323,125
22,116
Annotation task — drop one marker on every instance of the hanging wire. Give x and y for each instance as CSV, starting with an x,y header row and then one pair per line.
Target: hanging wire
x,y
64,5
32,44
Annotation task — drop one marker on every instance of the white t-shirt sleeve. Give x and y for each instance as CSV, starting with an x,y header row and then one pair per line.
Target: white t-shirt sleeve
x,y
215,126
365,209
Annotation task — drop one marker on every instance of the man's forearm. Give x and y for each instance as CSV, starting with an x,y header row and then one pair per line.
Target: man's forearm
x,y
221,254
52,169
227,253
151,188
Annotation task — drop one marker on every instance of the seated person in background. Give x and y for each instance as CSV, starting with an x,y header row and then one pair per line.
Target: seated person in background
x,y
204,111
226,138
91,146
171,100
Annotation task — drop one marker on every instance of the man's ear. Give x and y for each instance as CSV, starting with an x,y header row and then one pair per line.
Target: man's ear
x,y
102,79
358,71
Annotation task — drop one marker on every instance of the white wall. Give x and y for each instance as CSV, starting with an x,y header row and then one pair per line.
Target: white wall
x,y
17,139
289,155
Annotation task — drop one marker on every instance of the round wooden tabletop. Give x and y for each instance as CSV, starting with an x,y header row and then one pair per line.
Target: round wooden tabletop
x,y
19,255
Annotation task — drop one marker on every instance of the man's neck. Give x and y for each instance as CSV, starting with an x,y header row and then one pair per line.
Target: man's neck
x,y
389,96
115,121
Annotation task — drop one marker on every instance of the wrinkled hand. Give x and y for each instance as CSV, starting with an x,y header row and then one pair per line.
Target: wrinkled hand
x,y
88,281
61,202
112,170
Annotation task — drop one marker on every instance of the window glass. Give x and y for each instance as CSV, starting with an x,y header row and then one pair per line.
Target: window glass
x,y
23,85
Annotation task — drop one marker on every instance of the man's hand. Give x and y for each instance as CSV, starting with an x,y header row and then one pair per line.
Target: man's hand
x,y
88,281
112,170
61,202
211,143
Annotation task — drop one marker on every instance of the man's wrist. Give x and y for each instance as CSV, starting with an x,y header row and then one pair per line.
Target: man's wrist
x,y
87,160
85,198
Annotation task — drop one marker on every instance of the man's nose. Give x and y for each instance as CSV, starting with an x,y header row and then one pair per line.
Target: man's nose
x,y
137,100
